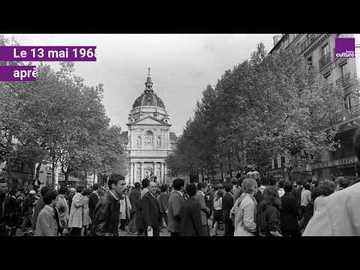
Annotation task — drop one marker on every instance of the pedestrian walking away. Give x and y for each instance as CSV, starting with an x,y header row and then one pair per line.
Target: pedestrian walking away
x,y
176,201
190,214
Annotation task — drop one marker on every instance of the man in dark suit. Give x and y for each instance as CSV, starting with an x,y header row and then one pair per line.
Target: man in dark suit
x,y
94,198
93,201
227,204
289,213
134,197
190,214
151,211
107,211
205,211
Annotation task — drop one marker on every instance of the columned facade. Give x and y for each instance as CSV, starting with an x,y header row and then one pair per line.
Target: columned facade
x,y
149,140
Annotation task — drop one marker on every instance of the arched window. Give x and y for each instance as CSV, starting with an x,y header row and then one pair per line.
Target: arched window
x,y
138,141
149,138
158,141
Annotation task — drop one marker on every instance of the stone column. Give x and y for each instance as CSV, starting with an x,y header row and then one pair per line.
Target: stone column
x,y
137,171
154,168
165,172
132,175
141,171
162,172
129,172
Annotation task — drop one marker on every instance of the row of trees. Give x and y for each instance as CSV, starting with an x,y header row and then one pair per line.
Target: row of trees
x,y
58,119
266,105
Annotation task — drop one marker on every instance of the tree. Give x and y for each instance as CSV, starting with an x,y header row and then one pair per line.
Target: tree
x,y
57,119
267,105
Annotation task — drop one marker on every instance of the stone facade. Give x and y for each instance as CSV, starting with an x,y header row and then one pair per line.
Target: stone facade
x,y
149,138
319,52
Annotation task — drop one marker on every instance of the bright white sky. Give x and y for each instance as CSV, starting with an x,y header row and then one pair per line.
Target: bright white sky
x,y
182,65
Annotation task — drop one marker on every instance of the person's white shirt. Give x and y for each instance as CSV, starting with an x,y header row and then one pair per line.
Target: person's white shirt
x,y
281,192
305,197
218,204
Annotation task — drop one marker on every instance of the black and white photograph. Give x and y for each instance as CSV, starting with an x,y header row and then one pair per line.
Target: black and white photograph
x,y
179,135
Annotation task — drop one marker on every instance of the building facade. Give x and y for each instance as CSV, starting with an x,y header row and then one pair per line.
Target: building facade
x,y
45,177
149,138
319,53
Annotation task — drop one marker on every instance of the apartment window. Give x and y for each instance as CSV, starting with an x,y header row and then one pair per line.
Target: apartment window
x,y
325,50
327,75
275,163
49,177
325,58
342,70
348,102
309,61
283,162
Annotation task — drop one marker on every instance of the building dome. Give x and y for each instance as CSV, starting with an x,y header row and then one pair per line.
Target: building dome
x,y
148,97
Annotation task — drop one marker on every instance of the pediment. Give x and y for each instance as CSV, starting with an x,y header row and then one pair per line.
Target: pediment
x,y
148,120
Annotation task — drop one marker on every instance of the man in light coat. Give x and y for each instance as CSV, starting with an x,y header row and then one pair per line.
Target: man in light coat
x,y
244,210
176,201
339,214
76,219
48,220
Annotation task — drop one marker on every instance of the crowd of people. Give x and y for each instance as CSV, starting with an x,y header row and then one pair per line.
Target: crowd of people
x,y
244,206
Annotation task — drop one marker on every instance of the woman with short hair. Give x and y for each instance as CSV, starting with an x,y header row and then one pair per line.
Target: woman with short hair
x,y
289,213
268,213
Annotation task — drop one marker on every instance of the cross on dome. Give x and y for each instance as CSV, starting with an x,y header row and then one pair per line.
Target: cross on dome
x,y
148,83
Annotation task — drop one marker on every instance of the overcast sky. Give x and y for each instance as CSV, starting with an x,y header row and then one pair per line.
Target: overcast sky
x,y
182,65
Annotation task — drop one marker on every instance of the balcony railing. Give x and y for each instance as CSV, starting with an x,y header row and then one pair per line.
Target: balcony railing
x,y
354,111
324,60
308,42
344,81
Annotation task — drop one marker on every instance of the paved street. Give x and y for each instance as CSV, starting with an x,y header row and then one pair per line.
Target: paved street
x,y
163,232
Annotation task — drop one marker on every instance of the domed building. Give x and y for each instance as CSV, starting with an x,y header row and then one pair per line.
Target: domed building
x,y
149,138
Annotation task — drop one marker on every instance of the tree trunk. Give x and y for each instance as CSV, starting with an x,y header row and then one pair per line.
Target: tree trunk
x,y
53,170
107,180
85,179
66,177
37,173
230,167
222,173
